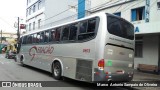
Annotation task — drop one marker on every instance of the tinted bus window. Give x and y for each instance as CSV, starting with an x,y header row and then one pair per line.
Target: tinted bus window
x,y
52,35
38,37
34,38
41,37
21,39
91,25
83,27
73,31
87,29
57,36
46,36
29,39
120,27
65,33
24,40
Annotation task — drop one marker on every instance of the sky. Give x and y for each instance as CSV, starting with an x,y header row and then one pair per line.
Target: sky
x,y
9,11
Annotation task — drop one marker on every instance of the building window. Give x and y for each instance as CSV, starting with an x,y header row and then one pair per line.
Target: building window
x,y
117,14
34,25
26,27
30,26
27,2
39,23
30,9
158,4
34,8
39,4
27,12
139,47
138,14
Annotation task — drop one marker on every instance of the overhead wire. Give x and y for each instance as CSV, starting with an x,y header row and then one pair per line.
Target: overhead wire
x,y
7,23
63,11
69,9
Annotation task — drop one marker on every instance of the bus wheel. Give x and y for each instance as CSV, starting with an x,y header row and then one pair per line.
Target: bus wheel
x,y
56,70
7,56
21,61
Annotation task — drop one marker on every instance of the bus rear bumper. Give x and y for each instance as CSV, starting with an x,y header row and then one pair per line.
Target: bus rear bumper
x,y
101,75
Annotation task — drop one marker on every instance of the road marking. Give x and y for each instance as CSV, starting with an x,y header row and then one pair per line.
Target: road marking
x,y
6,62
2,56
1,62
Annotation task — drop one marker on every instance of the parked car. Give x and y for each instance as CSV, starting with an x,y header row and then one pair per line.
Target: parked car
x,y
10,55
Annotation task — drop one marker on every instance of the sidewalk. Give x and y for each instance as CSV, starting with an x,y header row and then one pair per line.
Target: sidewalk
x,y
144,76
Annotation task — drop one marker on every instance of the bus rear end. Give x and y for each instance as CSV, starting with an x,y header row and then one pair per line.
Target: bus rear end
x,y
118,53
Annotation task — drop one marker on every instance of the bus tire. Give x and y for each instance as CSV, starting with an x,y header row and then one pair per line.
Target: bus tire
x,y
7,56
56,70
21,61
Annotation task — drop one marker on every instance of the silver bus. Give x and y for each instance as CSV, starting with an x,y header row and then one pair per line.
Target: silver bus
x,y
99,47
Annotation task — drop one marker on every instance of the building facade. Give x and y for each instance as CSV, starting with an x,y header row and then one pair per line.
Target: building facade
x,y
45,13
144,15
35,14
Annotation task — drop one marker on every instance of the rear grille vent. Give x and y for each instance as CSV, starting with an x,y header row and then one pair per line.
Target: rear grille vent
x,y
84,70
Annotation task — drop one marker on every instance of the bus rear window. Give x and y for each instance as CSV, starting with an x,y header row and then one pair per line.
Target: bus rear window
x,y
120,27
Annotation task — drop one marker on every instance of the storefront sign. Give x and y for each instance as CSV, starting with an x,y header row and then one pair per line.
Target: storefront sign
x,y
136,29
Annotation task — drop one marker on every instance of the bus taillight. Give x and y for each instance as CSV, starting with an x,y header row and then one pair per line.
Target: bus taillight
x,y
101,64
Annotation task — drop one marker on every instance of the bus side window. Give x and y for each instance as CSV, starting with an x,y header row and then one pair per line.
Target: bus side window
x,y
91,25
65,33
21,39
31,39
28,39
73,31
24,40
38,37
89,29
57,35
42,37
34,38
52,35
83,27
46,36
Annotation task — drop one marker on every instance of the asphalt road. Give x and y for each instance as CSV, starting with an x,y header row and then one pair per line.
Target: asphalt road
x,y
13,71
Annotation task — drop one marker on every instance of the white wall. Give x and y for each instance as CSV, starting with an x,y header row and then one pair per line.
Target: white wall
x,y
54,9
154,12
125,9
150,51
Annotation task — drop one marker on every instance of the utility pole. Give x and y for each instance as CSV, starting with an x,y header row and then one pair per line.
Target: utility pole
x,y
18,34
1,36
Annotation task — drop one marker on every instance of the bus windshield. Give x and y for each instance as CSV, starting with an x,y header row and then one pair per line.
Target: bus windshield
x,y
120,27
